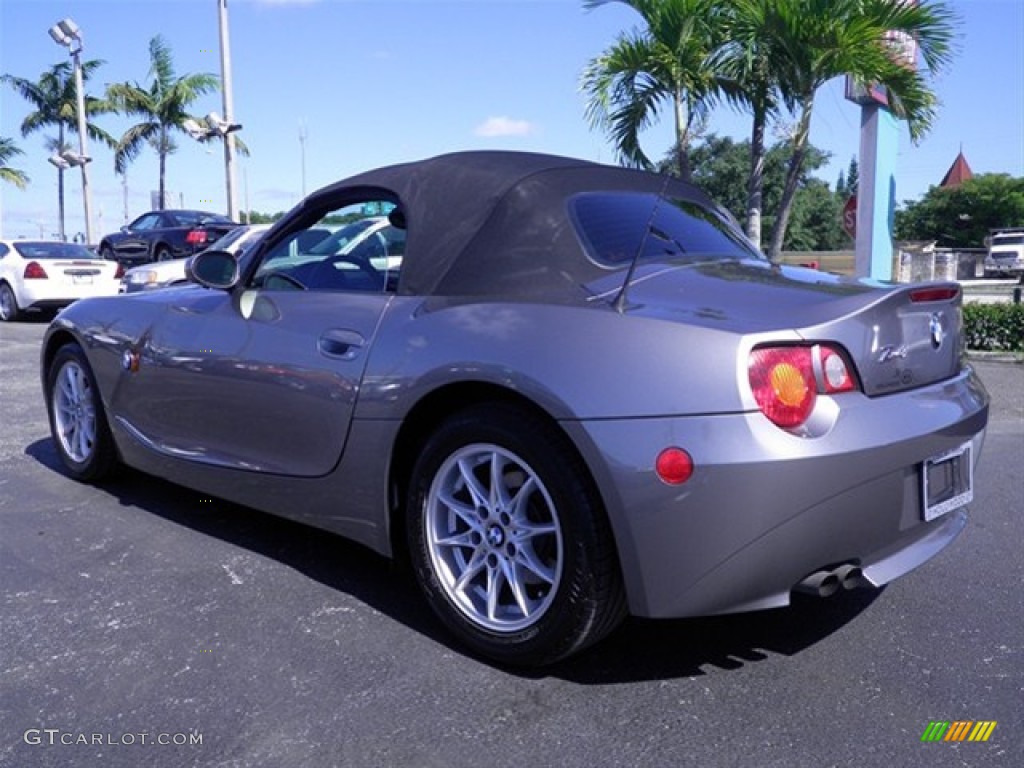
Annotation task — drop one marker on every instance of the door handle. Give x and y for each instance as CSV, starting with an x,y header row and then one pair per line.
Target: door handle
x,y
340,344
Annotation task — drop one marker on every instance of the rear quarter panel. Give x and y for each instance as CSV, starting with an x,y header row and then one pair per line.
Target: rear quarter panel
x,y
575,362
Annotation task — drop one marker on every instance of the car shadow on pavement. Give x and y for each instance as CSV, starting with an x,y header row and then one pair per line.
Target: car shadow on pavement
x,y
646,649
639,650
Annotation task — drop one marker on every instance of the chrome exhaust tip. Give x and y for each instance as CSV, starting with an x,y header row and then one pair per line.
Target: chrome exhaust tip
x,y
826,583
851,577
820,583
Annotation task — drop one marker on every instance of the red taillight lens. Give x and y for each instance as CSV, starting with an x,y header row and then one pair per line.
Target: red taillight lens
x,y
944,293
34,271
787,380
119,273
782,379
195,236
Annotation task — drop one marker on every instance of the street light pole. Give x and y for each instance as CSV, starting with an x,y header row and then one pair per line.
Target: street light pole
x,y
229,110
67,33
303,134
76,55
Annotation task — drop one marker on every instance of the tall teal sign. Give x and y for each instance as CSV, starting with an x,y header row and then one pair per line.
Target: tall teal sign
x,y
876,191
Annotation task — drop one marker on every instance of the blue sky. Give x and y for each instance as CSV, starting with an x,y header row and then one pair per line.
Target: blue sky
x,y
385,81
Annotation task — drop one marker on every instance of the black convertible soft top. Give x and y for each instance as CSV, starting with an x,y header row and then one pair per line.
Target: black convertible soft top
x,y
494,222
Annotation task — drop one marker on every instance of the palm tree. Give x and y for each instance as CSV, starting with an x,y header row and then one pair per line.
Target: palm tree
x,y
815,41
163,107
54,98
745,62
667,64
8,174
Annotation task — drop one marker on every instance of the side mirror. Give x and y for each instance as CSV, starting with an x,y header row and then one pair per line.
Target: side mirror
x,y
213,269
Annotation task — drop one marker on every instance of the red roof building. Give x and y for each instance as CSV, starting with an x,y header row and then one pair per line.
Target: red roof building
x,y
958,172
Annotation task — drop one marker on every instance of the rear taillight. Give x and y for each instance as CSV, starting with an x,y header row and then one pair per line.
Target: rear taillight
x,y
35,271
119,273
195,236
835,374
786,381
942,293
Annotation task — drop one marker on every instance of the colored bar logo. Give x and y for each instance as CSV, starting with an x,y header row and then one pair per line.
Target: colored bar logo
x,y
958,730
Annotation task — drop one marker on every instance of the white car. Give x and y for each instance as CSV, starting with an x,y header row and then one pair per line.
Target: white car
x,y
47,274
160,274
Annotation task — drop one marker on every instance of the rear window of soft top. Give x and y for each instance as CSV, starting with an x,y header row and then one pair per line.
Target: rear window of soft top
x,y
616,226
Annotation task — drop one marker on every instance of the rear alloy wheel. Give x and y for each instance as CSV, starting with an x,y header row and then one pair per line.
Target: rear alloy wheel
x,y
78,423
508,539
162,253
8,304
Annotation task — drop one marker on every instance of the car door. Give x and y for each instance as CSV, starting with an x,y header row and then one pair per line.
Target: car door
x,y
265,378
133,245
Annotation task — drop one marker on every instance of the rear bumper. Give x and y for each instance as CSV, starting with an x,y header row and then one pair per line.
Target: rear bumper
x,y
764,509
49,294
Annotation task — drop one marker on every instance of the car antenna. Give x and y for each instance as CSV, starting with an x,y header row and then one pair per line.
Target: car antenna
x,y
619,305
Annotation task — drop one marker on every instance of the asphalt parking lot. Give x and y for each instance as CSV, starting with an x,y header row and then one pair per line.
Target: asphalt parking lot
x,y
145,625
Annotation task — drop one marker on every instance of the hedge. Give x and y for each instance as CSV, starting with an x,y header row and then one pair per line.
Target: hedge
x,y
994,327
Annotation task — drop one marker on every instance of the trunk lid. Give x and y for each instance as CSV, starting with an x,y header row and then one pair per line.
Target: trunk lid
x,y
80,271
898,337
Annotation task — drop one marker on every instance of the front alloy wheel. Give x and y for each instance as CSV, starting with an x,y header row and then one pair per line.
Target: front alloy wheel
x,y
77,421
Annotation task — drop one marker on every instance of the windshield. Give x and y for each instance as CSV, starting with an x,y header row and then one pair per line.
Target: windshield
x,y
617,227
237,238
1008,240
335,243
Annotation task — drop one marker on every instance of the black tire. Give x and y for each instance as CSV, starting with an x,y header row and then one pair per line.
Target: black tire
x,y
9,311
107,253
78,423
556,544
162,253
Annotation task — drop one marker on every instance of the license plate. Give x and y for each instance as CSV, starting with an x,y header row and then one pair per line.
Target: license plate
x,y
947,482
81,279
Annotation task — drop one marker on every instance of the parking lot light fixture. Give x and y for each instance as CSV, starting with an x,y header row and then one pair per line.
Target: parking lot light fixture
x,y
68,34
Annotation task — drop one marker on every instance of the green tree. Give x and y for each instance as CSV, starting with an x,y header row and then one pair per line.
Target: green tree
x,y
720,167
815,222
666,64
163,107
853,177
54,98
11,175
848,182
961,217
819,40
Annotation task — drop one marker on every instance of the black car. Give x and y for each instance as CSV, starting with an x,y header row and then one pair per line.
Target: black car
x,y
162,235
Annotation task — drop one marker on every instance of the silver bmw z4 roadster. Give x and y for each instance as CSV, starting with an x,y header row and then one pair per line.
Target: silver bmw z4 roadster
x,y
566,392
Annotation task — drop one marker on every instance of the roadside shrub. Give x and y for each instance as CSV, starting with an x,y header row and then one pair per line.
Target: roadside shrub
x,y
994,327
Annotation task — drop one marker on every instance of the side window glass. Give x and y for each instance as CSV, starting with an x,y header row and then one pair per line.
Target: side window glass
x,y
148,221
346,249
4,250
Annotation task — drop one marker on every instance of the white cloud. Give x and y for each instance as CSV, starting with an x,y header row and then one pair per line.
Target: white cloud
x,y
504,126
